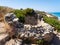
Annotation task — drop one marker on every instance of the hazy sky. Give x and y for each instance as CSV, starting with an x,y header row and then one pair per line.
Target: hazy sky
x,y
44,5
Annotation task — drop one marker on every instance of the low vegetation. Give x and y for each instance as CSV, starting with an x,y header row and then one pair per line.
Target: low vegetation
x,y
31,14
53,22
26,15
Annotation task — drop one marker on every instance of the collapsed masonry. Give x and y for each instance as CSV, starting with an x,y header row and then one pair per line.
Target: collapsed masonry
x,y
14,25
19,30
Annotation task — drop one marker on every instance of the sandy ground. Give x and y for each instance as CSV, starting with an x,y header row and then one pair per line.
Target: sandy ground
x,y
2,27
2,31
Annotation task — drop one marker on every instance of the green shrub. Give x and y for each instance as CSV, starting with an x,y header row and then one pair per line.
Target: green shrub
x,y
53,22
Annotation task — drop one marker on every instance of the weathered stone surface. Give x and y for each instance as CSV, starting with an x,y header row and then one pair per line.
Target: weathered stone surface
x,y
14,42
3,38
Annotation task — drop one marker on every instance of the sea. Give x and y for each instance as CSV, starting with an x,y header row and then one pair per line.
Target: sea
x,y
57,14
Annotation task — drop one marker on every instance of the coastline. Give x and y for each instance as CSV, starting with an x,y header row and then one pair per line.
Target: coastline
x,y
57,14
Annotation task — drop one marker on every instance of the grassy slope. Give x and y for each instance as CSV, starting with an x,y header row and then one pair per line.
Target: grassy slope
x,y
52,21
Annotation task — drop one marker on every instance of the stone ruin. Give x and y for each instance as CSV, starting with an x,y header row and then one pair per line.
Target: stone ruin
x,y
18,31
18,27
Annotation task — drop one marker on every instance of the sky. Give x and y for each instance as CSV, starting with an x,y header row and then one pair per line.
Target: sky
x,y
43,5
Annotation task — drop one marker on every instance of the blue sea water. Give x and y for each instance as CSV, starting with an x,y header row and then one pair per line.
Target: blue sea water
x,y
56,14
